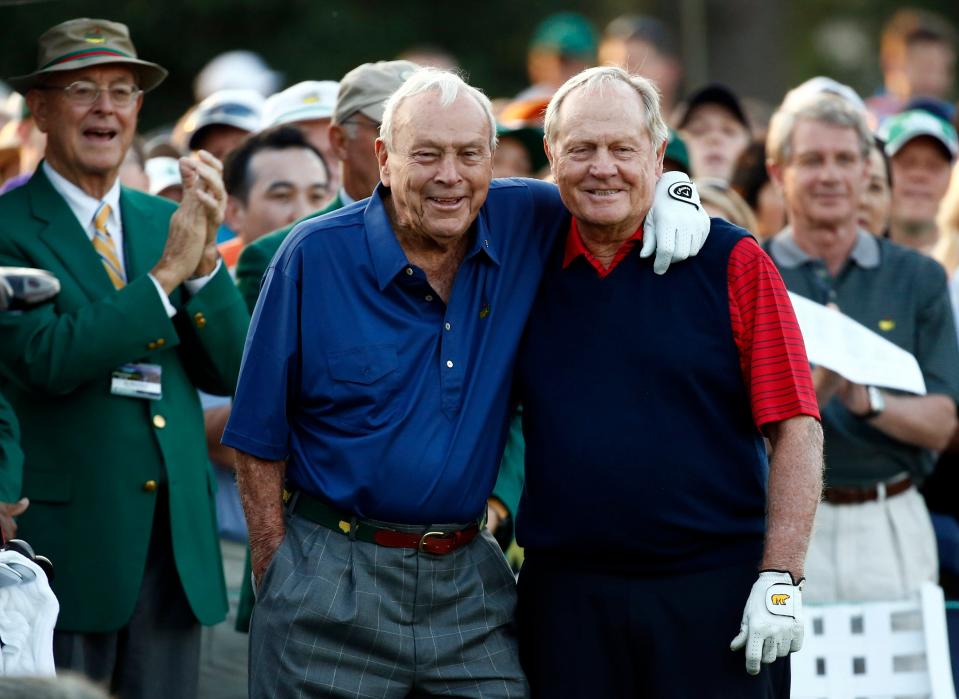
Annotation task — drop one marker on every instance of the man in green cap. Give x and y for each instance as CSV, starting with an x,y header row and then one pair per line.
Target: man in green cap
x,y
921,148
104,379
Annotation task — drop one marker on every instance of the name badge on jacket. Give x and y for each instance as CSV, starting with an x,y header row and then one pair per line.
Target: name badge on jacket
x,y
137,381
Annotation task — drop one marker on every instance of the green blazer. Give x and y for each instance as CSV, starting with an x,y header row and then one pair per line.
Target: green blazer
x,y
256,256
11,455
93,459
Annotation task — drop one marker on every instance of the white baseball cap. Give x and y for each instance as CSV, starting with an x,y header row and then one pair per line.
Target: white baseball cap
x,y
312,99
242,109
162,172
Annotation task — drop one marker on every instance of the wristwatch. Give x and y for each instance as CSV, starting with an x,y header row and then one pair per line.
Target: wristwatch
x,y
877,403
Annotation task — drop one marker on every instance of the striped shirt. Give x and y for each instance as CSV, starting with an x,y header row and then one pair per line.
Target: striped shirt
x,y
772,354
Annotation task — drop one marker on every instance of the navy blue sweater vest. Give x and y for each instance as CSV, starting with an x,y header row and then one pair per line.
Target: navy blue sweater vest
x,y
641,450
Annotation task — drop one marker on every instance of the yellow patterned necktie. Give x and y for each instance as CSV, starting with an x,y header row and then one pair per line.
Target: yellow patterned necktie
x,y
106,248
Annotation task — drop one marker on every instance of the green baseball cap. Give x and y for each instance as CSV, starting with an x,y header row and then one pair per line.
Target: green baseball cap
x,y
677,152
901,128
84,42
568,34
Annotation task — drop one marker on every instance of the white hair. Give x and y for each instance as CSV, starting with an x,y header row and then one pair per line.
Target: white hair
x,y
599,78
448,85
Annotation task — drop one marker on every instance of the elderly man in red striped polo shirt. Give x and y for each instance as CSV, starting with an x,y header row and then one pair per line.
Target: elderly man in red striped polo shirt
x,y
645,402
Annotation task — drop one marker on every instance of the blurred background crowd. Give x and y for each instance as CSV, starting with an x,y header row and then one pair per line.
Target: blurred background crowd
x,y
264,105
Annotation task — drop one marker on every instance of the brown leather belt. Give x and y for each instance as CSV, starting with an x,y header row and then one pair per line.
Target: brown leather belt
x,y
849,495
428,540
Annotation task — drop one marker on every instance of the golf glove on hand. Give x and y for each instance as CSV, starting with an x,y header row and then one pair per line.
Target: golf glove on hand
x,y
772,625
677,225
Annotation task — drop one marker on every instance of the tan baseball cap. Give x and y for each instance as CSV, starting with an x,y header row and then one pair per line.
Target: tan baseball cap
x,y
366,88
84,42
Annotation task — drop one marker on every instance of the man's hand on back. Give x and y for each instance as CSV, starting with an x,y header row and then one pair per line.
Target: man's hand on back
x,y
677,225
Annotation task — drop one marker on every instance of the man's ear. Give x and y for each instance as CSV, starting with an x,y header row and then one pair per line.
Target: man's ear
x,y
235,215
775,171
660,154
37,103
383,158
551,157
338,141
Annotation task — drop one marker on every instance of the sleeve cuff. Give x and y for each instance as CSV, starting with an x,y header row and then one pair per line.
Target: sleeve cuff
x,y
194,285
167,306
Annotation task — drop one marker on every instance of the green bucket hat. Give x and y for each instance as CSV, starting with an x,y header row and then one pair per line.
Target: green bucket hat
x,y
81,43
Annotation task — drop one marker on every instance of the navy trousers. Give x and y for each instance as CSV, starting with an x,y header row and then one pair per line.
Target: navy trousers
x,y
591,634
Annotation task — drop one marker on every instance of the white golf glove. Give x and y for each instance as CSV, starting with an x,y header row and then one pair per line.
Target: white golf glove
x,y
677,225
772,624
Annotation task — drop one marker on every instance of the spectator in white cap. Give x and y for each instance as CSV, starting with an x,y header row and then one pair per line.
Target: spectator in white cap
x,y
222,120
164,176
236,70
921,148
309,107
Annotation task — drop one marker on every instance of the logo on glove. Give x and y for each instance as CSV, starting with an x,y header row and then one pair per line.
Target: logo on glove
x,y
682,191
779,599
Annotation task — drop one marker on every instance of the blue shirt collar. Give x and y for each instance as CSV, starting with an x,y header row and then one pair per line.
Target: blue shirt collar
x,y
385,251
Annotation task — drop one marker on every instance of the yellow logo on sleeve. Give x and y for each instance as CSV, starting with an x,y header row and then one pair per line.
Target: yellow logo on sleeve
x,y
887,324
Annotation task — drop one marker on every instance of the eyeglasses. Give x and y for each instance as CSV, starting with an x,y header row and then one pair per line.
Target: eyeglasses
x,y
86,93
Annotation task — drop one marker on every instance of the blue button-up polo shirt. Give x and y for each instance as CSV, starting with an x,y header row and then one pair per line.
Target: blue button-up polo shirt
x,y
384,400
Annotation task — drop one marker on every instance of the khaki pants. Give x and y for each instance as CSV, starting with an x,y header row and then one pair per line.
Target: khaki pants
x,y
880,550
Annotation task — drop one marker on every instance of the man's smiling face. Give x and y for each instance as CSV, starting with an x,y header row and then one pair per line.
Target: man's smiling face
x,y
603,159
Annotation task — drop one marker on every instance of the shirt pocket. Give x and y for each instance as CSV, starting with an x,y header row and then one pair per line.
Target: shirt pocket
x,y
364,386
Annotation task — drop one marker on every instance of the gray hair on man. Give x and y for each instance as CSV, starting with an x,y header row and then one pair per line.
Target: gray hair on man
x,y
449,85
597,79
824,107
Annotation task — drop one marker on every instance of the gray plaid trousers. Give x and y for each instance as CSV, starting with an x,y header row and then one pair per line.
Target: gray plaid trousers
x,y
336,617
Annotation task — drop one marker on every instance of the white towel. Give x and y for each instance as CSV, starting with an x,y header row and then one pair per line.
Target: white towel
x,y
28,613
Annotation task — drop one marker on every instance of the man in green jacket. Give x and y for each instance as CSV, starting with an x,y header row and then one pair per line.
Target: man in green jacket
x,y
104,379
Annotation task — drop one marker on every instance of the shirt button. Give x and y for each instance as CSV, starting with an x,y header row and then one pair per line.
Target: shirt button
x,y
200,320
429,297
449,363
151,345
409,271
448,326
161,342
159,422
150,486
486,243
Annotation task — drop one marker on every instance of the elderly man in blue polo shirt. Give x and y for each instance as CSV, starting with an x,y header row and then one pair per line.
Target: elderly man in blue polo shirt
x,y
376,384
